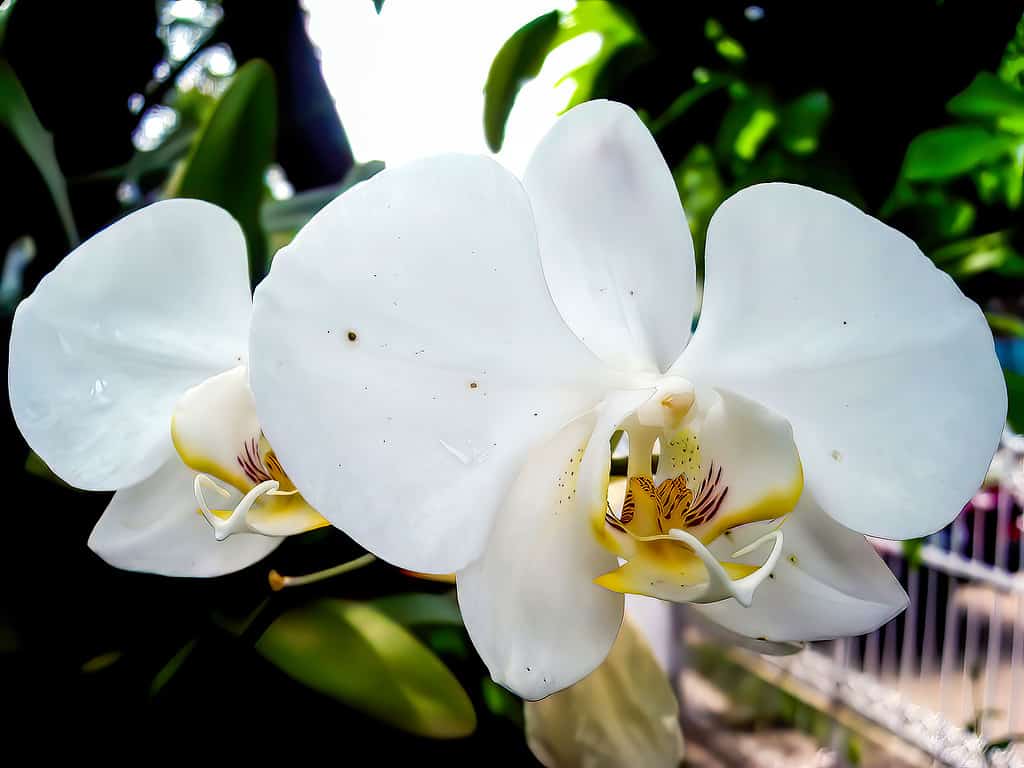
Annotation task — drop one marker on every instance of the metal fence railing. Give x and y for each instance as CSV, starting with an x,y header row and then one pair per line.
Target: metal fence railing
x,y
946,676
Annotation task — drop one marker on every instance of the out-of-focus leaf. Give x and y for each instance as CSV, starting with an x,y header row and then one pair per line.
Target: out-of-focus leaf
x,y
615,30
1015,397
945,153
174,148
34,465
17,116
1007,325
749,121
500,702
523,54
802,120
378,4
682,103
293,213
701,191
170,669
416,609
992,99
5,15
234,148
517,62
101,662
730,49
448,641
358,655
975,255
938,215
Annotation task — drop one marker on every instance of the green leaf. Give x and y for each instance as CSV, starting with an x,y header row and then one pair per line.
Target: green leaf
x,y
974,255
101,662
945,153
518,62
501,702
615,29
358,655
687,99
701,190
414,609
171,668
378,4
1006,325
34,465
802,121
292,214
17,116
746,125
234,148
1015,396
989,98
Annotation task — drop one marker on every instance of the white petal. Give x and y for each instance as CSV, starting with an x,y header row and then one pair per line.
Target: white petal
x,y
614,240
829,583
156,527
624,713
113,336
840,323
406,356
214,428
529,603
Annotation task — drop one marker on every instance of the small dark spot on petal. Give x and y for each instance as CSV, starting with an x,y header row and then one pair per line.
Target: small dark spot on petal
x,y
352,336
473,385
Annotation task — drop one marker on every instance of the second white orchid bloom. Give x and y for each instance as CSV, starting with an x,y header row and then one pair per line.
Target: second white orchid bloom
x,y
128,372
442,355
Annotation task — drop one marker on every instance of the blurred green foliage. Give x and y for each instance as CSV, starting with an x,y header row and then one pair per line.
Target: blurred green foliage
x,y
18,117
356,653
230,156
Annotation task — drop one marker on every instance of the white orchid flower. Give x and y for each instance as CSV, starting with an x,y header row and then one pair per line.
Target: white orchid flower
x,y
442,354
128,373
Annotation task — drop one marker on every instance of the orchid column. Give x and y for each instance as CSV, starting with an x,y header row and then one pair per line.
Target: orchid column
x,y
442,355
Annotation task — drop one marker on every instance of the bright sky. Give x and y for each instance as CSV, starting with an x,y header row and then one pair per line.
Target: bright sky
x,y
409,82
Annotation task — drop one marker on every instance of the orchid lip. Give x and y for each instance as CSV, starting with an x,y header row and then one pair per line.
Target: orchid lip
x,y
725,461
217,434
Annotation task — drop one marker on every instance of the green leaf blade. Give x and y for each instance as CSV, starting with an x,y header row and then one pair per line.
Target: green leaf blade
x,y
231,155
945,153
356,654
18,116
988,98
516,63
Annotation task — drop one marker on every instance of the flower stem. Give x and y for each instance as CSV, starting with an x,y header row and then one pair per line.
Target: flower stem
x,y
279,582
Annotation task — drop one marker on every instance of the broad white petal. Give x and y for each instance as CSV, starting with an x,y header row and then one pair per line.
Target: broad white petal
x,y
156,527
406,356
113,336
838,322
624,713
829,583
614,240
530,605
